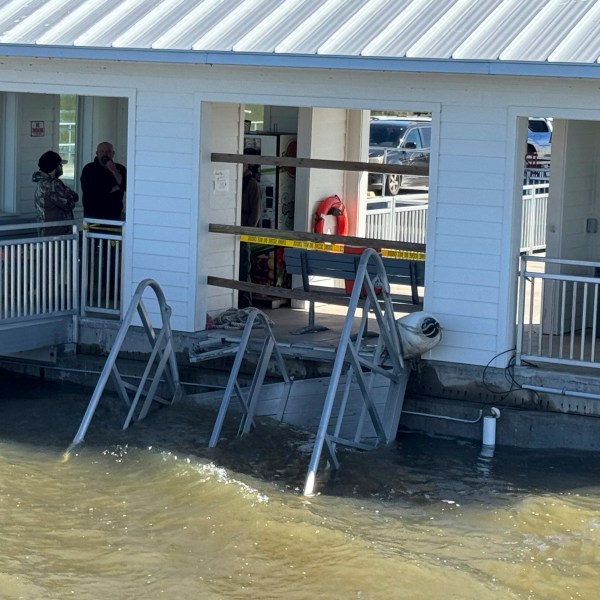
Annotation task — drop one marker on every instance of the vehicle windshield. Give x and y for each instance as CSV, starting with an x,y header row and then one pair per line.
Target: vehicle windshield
x,y
538,126
386,135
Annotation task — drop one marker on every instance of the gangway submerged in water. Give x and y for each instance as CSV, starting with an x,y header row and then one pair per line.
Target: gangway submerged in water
x,y
358,405
161,361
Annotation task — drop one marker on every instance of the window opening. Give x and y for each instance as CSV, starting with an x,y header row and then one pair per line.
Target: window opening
x,y
67,145
254,117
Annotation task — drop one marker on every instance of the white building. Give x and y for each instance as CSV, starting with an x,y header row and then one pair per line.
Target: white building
x,y
168,81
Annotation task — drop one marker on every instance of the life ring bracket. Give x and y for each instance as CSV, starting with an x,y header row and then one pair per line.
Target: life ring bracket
x,y
332,205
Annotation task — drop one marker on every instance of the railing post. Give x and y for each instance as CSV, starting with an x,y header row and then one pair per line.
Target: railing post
x,y
521,308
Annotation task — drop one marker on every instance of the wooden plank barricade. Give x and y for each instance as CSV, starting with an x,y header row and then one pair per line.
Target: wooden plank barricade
x,y
404,264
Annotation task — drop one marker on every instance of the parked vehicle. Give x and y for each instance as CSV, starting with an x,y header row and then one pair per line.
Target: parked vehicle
x,y
399,141
539,137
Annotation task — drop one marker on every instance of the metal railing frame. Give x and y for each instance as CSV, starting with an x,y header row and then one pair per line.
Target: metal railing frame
x,y
38,273
557,312
533,223
389,218
101,267
352,366
249,403
162,353
392,218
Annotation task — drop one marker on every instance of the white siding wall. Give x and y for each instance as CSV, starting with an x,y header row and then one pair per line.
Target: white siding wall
x,y
219,255
321,134
34,107
468,208
474,207
162,202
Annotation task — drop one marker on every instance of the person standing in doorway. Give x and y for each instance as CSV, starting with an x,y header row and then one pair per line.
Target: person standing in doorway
x,y
53,199
103,184
252,210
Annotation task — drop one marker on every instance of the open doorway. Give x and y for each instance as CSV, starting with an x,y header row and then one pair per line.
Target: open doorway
x,y
536,184
268,131
66,123
67,144
559,315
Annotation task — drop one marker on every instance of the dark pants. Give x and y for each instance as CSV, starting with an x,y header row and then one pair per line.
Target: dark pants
x,y
244,298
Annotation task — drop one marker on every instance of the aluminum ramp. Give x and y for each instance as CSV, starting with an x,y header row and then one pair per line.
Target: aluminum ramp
x,y
161,363
358,406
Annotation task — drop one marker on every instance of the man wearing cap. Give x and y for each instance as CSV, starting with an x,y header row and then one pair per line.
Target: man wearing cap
x,y
54,201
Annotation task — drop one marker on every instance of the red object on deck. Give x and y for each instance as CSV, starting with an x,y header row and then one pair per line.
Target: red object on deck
x,y
349,283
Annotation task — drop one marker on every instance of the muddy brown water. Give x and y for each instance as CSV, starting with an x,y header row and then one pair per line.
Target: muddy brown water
x,y
151,513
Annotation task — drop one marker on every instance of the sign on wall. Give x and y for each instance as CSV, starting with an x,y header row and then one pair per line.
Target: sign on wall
x,y
37,129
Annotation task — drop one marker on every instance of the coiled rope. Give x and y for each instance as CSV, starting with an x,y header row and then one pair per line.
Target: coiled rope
x,y
235,318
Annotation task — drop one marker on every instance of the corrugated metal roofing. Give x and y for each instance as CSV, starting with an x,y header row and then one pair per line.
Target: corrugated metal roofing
x,y
565,32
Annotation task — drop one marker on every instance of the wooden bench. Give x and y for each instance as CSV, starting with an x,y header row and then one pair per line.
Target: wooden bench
x,y
336,265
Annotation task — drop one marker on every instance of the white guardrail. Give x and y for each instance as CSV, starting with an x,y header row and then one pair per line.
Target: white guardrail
x,y
101,267
404,220
42,275
37,273
557,312
27,289
391,218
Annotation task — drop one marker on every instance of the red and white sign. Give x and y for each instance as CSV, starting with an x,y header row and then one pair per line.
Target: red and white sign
x,y
37,129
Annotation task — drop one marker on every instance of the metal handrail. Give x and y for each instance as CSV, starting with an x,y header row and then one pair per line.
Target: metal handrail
x,y
249,403
405,219
558,312
101,267
39,277
162,350
386,361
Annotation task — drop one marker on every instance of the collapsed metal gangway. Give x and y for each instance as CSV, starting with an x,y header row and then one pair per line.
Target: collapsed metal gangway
x,y
364,394
363,368
161,362
249,400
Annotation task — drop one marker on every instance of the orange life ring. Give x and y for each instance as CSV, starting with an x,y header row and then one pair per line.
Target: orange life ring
x,y
332,205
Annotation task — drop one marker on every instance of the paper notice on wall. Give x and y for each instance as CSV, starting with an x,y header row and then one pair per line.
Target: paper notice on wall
x,y
221,180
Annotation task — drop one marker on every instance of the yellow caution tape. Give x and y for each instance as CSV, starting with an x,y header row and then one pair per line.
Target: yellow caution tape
x,y
92,226
408,254
273,241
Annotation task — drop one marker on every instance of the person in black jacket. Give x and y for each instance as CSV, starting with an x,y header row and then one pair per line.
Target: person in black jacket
x,y
252,210
103,184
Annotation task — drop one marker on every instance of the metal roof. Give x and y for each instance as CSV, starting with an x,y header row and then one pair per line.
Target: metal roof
x,y
369,34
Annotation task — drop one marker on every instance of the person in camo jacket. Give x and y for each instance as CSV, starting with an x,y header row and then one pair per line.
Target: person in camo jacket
x,y
54,200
